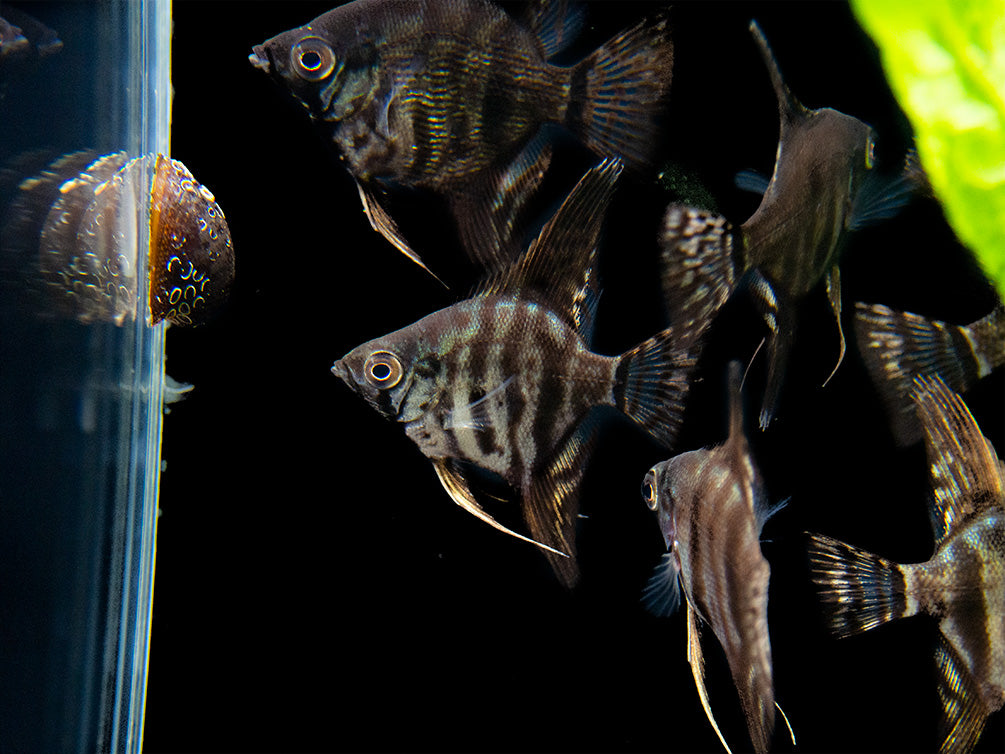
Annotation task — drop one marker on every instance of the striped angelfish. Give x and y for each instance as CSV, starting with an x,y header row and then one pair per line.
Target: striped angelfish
x,y
446,94
962,585
505,381
711,506
898,346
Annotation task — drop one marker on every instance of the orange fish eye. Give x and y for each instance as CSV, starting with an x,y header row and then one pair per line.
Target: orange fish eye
x,y
312,58
649,494
382,369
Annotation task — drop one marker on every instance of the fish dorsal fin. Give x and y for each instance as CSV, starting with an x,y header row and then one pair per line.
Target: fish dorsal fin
x,y
696,660
556,24
789,108
551,501
963,710
965,473
557,268
457,487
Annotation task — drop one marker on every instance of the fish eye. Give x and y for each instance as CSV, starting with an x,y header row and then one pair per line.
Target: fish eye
x,y
382,369
649,492
312,58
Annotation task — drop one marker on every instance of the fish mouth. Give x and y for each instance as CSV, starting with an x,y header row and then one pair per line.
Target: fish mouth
x,y
340,370
259,58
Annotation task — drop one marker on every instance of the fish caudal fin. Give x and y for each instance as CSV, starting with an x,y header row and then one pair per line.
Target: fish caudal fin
x,y
863,590
616,94
651,384
899,346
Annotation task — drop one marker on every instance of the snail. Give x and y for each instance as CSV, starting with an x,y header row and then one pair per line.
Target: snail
x,y
72,228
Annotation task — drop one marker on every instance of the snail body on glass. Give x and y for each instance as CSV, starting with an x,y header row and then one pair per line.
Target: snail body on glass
x,y
72,229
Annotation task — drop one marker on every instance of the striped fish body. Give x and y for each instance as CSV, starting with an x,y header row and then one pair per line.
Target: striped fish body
x,y
711,507
962,586
899,346
494,380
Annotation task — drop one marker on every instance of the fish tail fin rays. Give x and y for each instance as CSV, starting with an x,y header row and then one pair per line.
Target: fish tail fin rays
x,y
788,106
457,488
618,92
898,346
964,712
862,590
491,214
652,382
696,660
551,503
698,269
384,224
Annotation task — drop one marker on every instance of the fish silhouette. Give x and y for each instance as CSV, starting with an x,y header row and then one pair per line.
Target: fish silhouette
x,y
451,96
962,585
505,381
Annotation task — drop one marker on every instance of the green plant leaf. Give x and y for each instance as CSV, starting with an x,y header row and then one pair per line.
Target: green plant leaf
x,y
945,61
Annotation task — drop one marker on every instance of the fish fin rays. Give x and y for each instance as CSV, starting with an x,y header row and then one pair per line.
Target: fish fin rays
x,y
882,197
661,595
457,488
384,224
780,319
492,212
551,502
555,24
834,297
696,660
558,265
697,268
964,712
619,91
966,477
476,415
861,590
652,382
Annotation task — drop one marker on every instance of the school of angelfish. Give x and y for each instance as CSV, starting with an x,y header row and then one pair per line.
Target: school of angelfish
x,y
459,98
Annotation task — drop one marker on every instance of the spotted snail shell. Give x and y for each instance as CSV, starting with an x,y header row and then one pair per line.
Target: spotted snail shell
x,y
81,216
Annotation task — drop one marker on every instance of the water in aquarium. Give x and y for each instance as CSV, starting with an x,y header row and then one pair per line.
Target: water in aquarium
x,y
83,89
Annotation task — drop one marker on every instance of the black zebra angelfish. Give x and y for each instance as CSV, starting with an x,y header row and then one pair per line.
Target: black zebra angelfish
x,y
822,188
962,585
449,94
898,346
505,381
711,506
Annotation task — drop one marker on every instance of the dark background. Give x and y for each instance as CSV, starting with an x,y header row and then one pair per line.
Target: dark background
x,y
317,590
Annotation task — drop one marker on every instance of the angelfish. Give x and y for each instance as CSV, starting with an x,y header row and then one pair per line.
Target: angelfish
x,y
822,187
962,585
451,96
898,346
711,506
505,381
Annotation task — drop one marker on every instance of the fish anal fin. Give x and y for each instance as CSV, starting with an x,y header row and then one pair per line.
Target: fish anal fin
x,y
383,223
551,501
457,488
834,297
491,213
964,712
696,660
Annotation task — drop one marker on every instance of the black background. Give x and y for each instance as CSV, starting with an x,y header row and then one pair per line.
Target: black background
x,y
315,587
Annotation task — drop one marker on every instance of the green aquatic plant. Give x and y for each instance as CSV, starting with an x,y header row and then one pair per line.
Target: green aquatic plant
x,y
945,62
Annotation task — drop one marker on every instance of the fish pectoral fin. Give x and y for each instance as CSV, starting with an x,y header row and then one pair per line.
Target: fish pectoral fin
x,y
384,224
963,710
551,501
697,662
476,415
834,296
457,487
